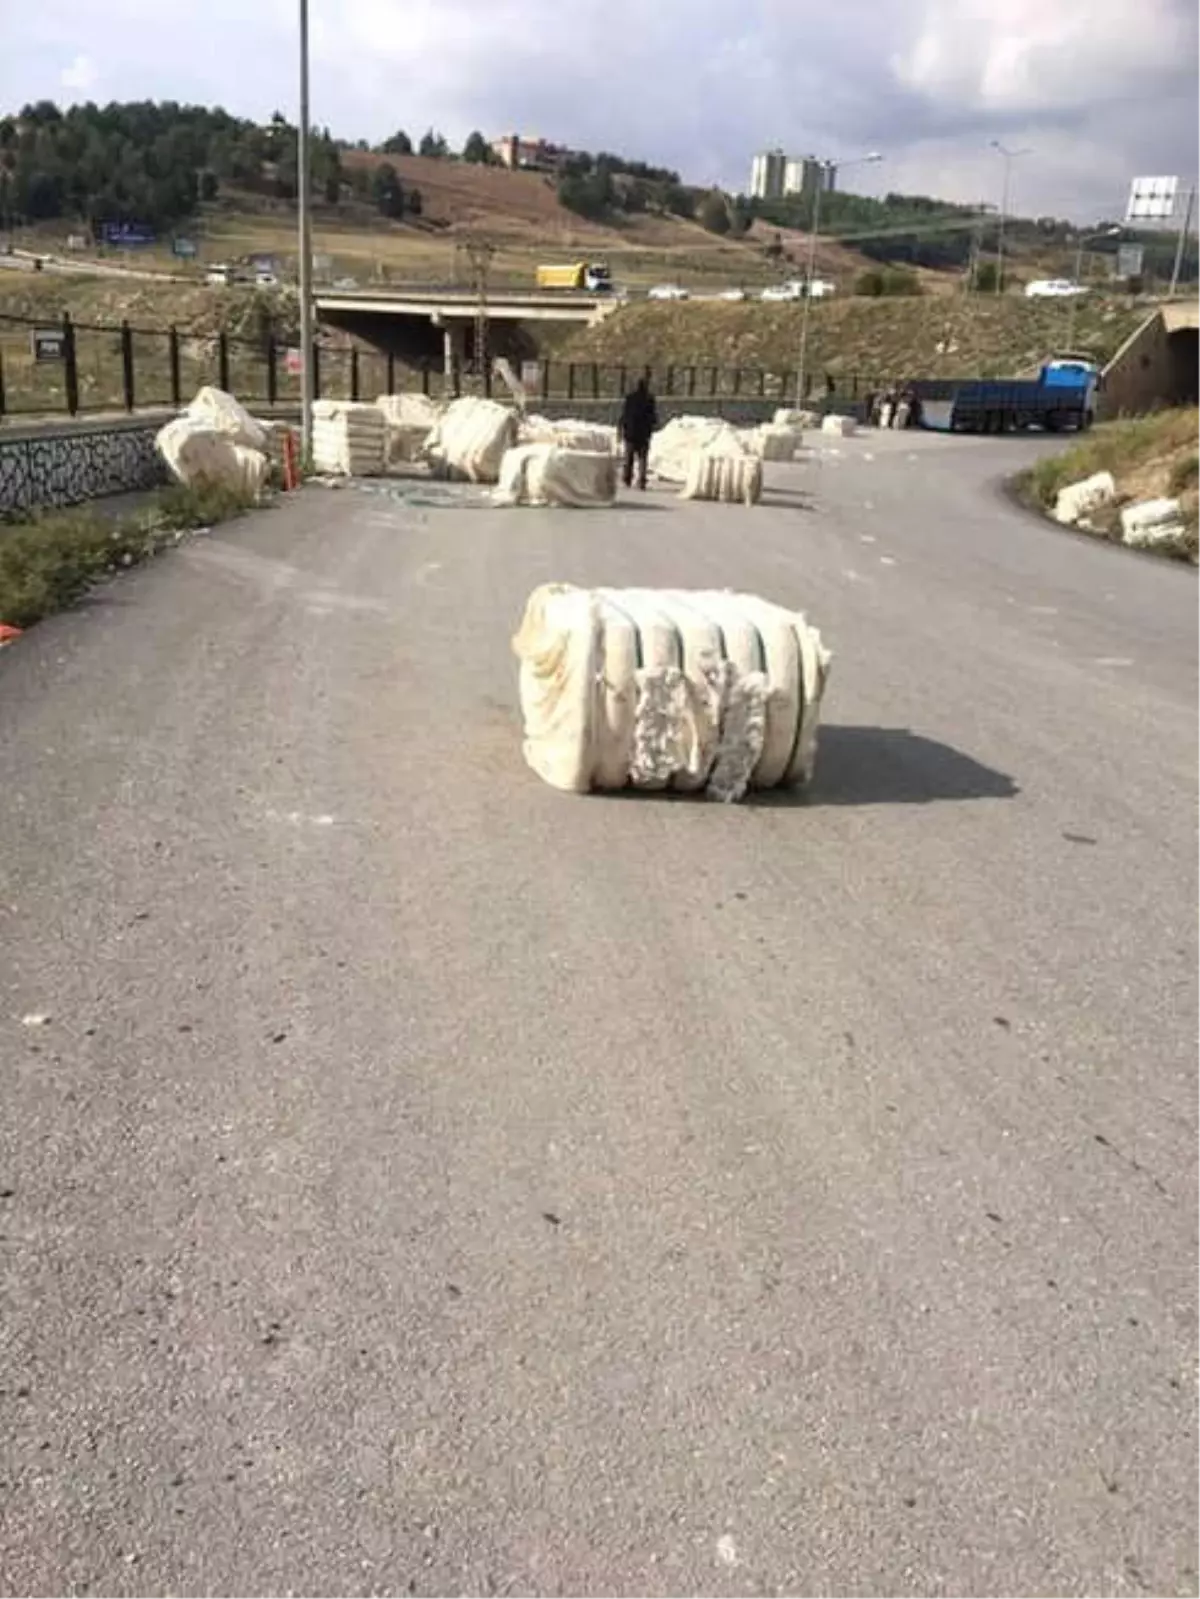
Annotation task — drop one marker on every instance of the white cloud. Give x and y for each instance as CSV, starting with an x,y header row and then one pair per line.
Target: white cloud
x,y
1100,89
80,75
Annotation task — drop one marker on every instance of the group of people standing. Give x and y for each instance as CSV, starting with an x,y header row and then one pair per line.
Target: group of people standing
x,y
893,408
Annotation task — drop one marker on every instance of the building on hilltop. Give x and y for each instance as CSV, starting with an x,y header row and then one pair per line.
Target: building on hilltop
x,y
530,154
774,175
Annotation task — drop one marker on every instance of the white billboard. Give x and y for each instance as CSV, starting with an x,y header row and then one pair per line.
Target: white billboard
x,y
1152,199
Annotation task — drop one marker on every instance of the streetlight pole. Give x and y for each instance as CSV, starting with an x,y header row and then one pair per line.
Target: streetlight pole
x,y
305,244
1177,266
1009,157
824,167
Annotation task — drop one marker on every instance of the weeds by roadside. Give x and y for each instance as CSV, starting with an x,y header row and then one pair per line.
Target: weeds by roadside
x,y
1149,457
50,560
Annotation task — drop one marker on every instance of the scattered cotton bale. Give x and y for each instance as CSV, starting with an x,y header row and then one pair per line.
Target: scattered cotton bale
x,y
409,419
774,443
695,690
568,433
731,479
673,446
349,438
545,474
197,454
795,419
840,426
1156,525
470,439
215,409
1078,500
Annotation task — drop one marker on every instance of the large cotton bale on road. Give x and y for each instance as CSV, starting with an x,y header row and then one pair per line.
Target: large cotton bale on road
x,y
664,688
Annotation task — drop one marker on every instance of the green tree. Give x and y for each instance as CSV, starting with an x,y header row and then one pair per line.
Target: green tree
x,y
714,212
477,150
388,192
398,144
433,144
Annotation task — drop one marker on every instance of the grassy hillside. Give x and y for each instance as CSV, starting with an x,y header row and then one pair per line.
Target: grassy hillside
x,y
922,337
1149,456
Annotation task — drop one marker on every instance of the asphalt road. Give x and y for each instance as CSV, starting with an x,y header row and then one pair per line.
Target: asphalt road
x,y
429,1182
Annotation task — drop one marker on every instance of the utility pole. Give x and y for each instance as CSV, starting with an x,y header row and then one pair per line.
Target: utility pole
x,y
479,253
306,309
1177,268
1009,157
824,168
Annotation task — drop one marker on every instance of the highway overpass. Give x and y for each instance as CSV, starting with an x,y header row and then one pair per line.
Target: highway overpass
x,y
429,324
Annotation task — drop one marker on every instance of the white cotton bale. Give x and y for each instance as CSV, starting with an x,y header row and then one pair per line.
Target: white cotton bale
x,y
729,479
545,474
1077,500
470,439
408,419
673,446
1155,525
795,419
215,409
840,426
692,690
349,438
773,443
198,454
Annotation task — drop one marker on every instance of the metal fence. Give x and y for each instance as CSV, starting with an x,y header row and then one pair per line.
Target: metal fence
x,y
72,368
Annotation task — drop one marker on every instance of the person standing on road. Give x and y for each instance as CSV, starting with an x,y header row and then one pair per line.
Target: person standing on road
x,y
639,418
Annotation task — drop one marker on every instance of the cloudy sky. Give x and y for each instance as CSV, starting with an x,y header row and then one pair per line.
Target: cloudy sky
x,y
1099,90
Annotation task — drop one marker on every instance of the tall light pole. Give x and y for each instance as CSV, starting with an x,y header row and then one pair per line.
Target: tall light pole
x,y
1009,157
824,168
1084,240
305,243
1177,266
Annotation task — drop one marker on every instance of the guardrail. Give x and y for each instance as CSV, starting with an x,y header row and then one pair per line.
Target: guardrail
x,y
67,368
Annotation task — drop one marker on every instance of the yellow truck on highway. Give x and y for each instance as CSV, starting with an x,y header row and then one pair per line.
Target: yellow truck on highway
x,y
591,276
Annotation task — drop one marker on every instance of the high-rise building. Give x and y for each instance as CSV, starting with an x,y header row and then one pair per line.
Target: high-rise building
x,y
774,175
767,172
805,175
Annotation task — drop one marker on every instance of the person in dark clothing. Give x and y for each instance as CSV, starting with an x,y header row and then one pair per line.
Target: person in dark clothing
x,y
639,418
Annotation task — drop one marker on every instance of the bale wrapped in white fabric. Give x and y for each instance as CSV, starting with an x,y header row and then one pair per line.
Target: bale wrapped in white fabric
x,y
409,419
544,474
569,433
216,409
842,426
349,438
1156,525
198,454
795,419
774,443
667,688
470,439
731,479
673,446
1080,499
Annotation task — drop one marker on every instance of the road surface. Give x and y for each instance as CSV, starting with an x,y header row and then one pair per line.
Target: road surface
x,y
429,1182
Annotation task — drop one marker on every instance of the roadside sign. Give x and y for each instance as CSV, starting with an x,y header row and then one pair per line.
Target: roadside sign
x,y
126,233
1152,199
1130,258
185,249
322,265
48,344
292,363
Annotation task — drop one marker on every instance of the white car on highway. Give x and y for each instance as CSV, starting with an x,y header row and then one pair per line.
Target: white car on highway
x,y
732,294
1053,289
667,291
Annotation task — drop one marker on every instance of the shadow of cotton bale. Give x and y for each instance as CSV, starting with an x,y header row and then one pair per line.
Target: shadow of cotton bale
x,y
892,766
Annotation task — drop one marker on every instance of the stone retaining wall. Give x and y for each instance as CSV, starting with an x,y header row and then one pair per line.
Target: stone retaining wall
x,y
67,464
